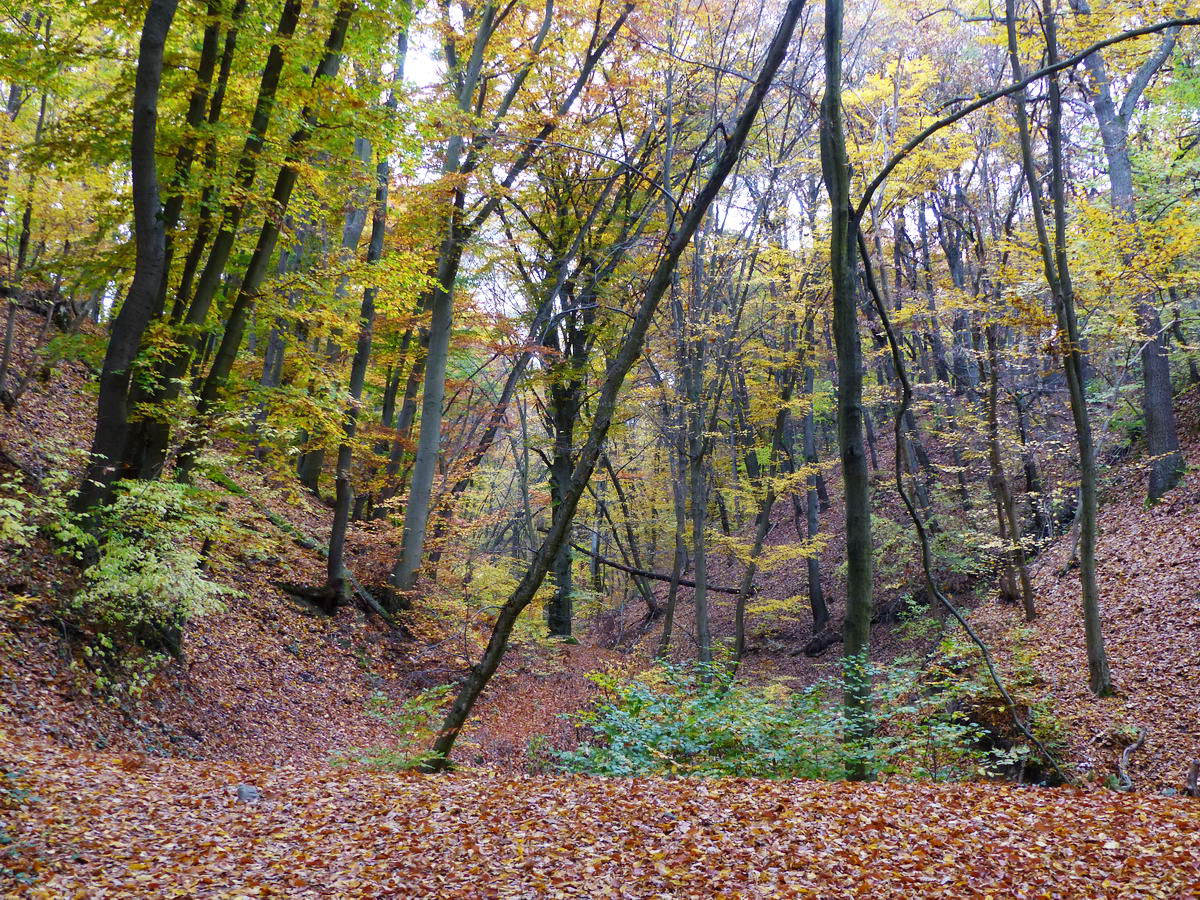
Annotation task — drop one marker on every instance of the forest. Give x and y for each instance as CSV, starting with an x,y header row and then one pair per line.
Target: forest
x,y
600,448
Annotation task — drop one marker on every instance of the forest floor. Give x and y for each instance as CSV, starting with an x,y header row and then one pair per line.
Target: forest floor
x,y
136,826
140,800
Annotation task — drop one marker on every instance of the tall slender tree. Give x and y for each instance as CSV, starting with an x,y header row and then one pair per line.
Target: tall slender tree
x,y
835,167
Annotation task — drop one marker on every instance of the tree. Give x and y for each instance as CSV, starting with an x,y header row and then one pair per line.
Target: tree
x,y
335,586
256,268
146,448
1162,440
458,231
1058,278
622,362
835,168
112,410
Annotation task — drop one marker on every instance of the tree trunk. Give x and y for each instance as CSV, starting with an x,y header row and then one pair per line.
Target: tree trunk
x,y
256,269
816,596
679,504
146,449
1054,262
125,339
336,587
835,168
1014,556
1162,439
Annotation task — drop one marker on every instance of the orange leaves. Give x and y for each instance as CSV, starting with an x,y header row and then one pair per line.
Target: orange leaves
x,y
353,833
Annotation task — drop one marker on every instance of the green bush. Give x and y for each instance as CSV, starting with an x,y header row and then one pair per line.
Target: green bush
x,y
25,510
696,721
149,580
150,577
15,526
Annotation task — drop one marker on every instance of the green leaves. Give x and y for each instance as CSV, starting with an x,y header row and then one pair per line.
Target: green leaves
x,y
694,720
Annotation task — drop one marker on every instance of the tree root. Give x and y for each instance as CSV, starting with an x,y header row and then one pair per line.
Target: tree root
x,y
314,595
1124,782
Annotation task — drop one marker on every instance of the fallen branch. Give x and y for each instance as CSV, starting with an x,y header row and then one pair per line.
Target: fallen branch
x,y
819,643
644,573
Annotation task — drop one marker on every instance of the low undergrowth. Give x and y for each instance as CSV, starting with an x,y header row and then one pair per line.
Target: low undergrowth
x,y
697,720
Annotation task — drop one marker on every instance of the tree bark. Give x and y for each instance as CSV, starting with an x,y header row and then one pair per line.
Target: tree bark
x,y
146,452
816,595
256,269
336,583
1014,556
835,168
125,339
1054,261
1162,439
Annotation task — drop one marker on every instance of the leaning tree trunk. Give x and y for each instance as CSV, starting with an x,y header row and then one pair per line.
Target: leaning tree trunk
x,y
146,449
208,196
606,404
285,182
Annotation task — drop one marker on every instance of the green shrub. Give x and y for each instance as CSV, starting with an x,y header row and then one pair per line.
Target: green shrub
x,y
26,510
87,347
689,720
150,579
15,526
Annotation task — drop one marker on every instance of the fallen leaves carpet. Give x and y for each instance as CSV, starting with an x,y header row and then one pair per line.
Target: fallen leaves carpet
x,y
109,826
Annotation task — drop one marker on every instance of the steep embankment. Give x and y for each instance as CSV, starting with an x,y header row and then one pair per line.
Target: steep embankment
x,y
1149,575
265,680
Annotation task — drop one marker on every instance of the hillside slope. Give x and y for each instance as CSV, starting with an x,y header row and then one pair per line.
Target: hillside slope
x,y
265,680
268,682
1149,576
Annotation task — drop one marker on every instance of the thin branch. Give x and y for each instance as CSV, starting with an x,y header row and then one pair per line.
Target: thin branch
x,y
919,525
1013,88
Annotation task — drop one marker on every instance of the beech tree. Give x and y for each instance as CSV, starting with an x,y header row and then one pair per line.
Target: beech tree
x,y
112,413
604,316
